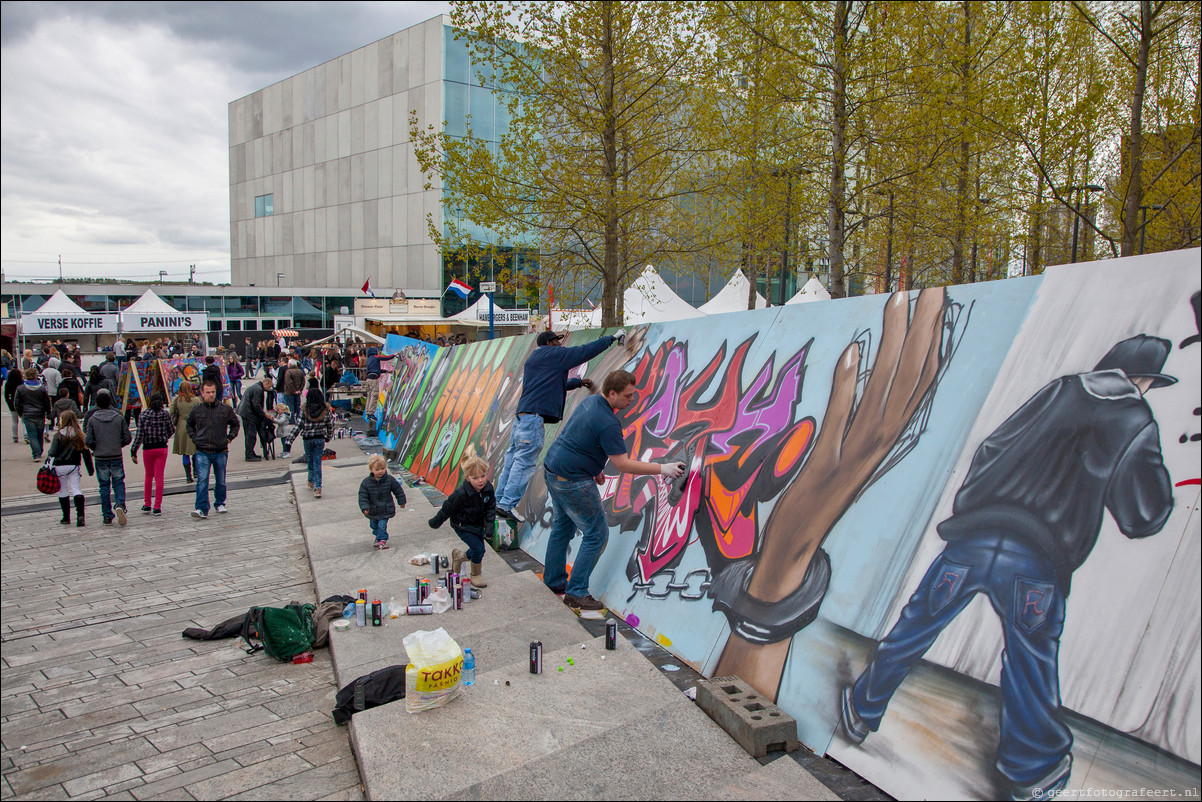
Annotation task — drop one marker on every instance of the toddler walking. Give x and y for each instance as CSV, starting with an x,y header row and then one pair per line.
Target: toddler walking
x,y
375,498
472,509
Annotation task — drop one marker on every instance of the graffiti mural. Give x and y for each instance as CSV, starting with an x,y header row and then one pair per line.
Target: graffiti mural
x,y
407,371
859,535
178,370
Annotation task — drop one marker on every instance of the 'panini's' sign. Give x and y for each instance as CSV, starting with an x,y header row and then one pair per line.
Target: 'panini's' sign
x,y
151,321
34,323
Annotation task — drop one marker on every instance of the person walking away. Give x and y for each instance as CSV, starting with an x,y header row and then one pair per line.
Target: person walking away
x,y
67,450
253,411
11,382
315,428
51,376
294,385
212,426
107,434
472,511
545,385
97,381
64,403
71,383
155,429
372,385
181,407
212,373
376,493
235,371
32,404
573,469
111,371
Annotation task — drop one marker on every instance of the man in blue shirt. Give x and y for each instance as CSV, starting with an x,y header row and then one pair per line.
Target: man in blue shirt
x,y
372,385
545,386
574,468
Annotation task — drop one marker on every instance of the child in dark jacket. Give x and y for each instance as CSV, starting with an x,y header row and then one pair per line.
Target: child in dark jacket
x,y
473,511
375,498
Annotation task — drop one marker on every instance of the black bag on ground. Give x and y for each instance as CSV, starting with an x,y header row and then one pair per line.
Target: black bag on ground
x,y
229,628
371,690
282,632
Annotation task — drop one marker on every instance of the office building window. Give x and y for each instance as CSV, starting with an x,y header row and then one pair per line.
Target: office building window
x,y
265,205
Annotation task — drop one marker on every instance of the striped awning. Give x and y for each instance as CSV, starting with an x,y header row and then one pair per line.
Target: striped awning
x,y
285,333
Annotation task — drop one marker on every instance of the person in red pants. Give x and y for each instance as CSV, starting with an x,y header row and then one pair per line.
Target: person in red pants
x,y
155,430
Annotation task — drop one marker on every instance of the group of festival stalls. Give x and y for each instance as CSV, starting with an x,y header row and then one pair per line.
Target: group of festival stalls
x,y
148,318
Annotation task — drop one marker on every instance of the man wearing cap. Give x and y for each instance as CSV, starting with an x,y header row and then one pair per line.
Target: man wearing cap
x,y
545,386
1026,517
371,387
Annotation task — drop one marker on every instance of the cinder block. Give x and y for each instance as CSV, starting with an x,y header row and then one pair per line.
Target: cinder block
x,y
756,724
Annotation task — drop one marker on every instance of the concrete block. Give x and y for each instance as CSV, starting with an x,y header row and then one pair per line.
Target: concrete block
x,y
758,725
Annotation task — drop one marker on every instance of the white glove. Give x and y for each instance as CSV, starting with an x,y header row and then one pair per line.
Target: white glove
x,y
620,336
671,470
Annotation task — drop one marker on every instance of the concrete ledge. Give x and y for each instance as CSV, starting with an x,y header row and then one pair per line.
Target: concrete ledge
x,y
758,725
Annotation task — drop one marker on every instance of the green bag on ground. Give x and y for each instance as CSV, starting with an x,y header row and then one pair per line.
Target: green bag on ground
x,y
281,632
504,536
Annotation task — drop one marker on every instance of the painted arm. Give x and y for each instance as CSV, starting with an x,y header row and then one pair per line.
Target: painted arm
x,y
849,449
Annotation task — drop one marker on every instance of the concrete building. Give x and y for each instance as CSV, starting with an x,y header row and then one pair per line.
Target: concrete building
x,y
324,188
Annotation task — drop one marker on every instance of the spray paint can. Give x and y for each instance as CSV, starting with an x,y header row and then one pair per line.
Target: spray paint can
x,y
363,594
420,609
458,593
611,634
536,657
377,613
434,559
466,584
360,612
413,594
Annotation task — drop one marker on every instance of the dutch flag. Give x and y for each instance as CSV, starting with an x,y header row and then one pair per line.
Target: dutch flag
x,y
460,288
367,288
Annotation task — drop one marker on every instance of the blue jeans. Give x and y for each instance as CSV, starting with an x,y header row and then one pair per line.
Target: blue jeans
x,y
1021,585
293,403
35,430
110,474
525,444
574,505
202,460
314,446
474,543
379,528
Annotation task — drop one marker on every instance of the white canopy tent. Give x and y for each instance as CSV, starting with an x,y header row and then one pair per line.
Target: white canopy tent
x,y
478,312
649,300
60,316
150,314
732,297
812,291
350,332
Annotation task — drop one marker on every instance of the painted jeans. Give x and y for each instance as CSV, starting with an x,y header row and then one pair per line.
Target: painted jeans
x,y
521,458
574,505
1021,585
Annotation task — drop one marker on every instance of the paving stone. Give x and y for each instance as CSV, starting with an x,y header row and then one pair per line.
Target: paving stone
x,y
245,779
102,779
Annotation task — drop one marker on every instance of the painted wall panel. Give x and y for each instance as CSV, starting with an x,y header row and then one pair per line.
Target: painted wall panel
x,y
828,443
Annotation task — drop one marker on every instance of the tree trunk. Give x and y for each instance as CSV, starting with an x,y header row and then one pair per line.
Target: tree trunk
x,y
837,199
611,291
962,167
1135,149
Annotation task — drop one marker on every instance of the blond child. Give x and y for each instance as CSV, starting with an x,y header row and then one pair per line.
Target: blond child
x,y
472,509
376,493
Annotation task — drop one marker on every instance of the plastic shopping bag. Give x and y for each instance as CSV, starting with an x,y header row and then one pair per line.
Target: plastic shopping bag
x,y
435,667
440,600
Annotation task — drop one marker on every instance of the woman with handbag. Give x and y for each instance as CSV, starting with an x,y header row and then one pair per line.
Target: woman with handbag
x,y
67,451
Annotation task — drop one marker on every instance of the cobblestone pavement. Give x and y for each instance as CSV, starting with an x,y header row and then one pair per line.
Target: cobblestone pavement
x,y
100,697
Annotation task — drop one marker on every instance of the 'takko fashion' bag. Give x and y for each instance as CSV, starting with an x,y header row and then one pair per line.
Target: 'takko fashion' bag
x,y
48,481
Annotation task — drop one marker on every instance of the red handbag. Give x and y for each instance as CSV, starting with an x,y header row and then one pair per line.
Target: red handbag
x,y
48,481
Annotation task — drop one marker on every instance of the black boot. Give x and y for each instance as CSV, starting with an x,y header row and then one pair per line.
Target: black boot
x,y
79,511
65,503
188,471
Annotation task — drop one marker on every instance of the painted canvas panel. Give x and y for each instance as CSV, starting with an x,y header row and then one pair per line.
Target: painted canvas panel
x,y
1047,633
406,371
178,370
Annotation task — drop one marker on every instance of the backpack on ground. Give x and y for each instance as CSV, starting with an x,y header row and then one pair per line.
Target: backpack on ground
x,y
371,690
282,632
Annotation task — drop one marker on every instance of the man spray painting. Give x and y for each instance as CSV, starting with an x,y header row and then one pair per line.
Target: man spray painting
x,y
1026,517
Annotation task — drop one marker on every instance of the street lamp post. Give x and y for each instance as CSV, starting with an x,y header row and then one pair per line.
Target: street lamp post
x,y
1143,222
1081,190
162,276
278,277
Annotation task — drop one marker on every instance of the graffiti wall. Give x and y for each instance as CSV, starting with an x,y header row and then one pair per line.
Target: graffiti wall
x,y
406,370
954,532
178,370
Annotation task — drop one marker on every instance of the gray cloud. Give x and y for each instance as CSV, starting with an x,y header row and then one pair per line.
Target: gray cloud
x,y
114,136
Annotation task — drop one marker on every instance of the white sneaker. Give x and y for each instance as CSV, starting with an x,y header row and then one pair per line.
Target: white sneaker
x,y
285,454
201,514
221,508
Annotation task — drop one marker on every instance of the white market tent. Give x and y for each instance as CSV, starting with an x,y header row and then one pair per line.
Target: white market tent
x,y
62,316
478,312
732,297
812,291
571,319
352,332
150,314
649,300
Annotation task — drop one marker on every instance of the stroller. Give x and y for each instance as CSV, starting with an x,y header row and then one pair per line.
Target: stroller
x,y
280,426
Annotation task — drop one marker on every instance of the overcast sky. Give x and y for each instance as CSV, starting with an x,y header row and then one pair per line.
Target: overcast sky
x,y
114,125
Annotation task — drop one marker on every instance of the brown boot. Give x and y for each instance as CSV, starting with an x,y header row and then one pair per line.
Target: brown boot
x,y
458,558
477,577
